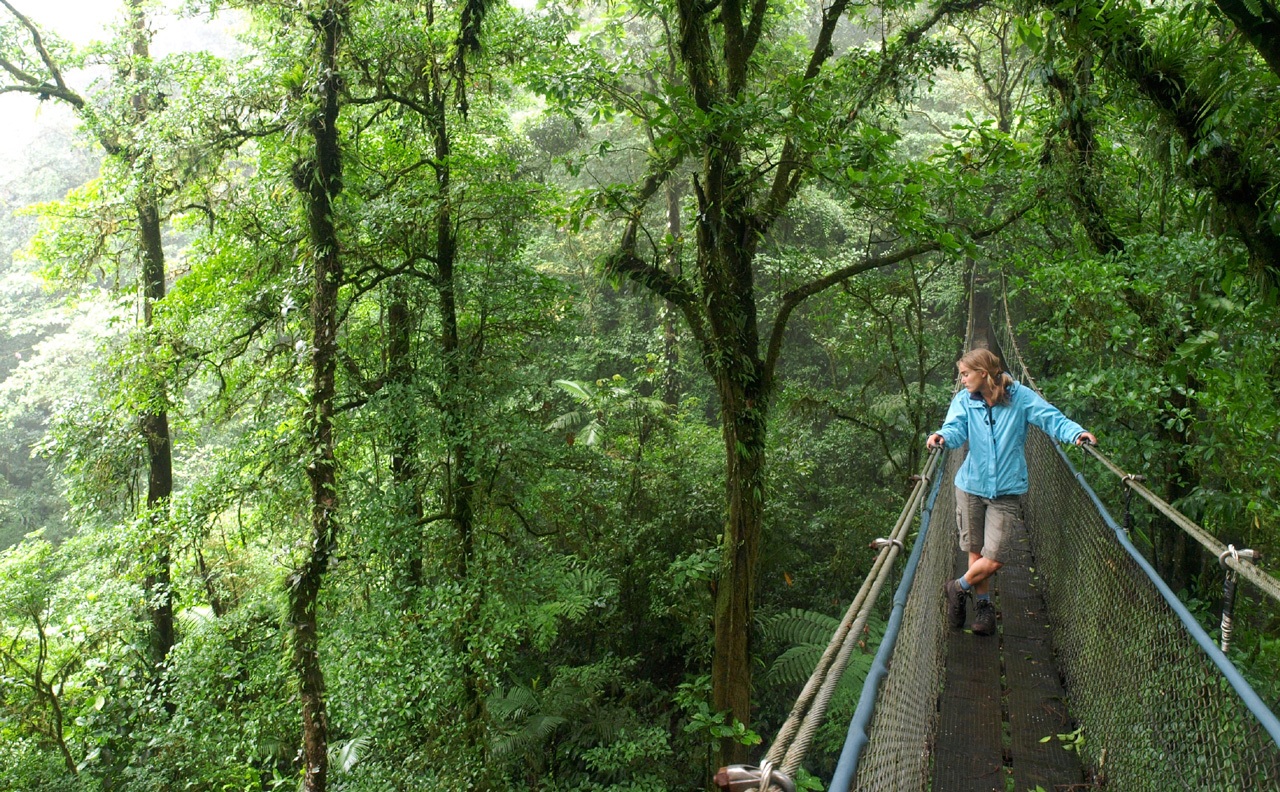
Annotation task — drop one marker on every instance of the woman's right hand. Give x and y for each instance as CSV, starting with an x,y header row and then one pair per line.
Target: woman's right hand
x,y
935,442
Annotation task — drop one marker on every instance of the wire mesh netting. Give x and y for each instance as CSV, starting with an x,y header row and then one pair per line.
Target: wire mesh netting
x,y
906,716
1155,712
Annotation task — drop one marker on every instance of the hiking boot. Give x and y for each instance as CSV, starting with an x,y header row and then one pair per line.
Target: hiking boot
x,y
984,623
955,602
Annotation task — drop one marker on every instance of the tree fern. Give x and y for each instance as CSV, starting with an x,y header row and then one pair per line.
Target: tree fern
x,y
346,754
798,627
523,725
808,633
519,701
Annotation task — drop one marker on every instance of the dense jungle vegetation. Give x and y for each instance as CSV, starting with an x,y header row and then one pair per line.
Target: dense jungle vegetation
x,y
445,394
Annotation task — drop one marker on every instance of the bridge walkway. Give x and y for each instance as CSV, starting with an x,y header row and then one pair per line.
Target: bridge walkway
x,y
1003,695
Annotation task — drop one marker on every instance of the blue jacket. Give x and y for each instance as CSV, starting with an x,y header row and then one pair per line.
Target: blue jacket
x,y
997,462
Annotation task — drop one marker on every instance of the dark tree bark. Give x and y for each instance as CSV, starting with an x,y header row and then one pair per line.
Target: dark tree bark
x,y
430,87
1262,31
155,428
155,425
318,178
670,336
1082,141
404,467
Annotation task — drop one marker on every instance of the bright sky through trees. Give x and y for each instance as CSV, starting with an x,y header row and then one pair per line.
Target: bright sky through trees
x,y
84,21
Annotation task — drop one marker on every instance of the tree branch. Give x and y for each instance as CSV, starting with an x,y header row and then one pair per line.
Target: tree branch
x,y
383,273
626,262
786,181
799,294
525,522
755,25
1262,31
24,77
38,41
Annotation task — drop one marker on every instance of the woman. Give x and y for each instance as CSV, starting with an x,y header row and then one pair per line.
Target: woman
x,y
992,413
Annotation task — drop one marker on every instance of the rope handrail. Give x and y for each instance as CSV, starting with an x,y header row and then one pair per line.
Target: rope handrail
x,y
858,736
1264,582
793,739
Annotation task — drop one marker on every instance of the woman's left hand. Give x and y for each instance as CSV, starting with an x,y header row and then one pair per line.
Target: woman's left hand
x,y
1086,437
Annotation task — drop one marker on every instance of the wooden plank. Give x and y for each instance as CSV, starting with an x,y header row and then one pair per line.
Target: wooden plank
x,y
969,755
977,710
1035,699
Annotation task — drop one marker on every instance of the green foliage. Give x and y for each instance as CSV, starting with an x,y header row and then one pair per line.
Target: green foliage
x,y
706,724
558,634
1071,741
596,403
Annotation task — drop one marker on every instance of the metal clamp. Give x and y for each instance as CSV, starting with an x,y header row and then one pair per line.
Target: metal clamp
x,y
745,778
1236,555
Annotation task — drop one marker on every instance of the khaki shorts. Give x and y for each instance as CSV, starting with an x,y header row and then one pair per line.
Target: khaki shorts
x,y
986,523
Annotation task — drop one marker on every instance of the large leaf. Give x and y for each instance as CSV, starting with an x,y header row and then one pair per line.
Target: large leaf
x,y
581,391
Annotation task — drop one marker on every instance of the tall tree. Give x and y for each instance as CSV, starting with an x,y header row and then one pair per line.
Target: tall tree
x,y
145,102
756,137
36,69
422,80
318,179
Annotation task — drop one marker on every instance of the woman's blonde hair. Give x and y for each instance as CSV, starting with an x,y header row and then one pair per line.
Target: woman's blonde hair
x,y
985,360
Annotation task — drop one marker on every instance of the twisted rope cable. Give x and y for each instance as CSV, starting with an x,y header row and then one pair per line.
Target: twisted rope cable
x,y
796,734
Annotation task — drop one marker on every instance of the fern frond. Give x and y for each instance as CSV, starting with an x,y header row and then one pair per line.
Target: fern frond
x,y
797,626
345,755
535,732
581,391
520,700
570,421
796,664
592,434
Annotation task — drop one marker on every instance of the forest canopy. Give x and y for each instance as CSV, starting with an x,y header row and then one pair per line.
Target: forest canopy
x,y
467,395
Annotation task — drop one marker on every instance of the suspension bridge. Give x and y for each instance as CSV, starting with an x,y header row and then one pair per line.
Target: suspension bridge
x,y
1098,676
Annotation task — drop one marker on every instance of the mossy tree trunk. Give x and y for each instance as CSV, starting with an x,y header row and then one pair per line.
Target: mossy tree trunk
x,y
318,178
